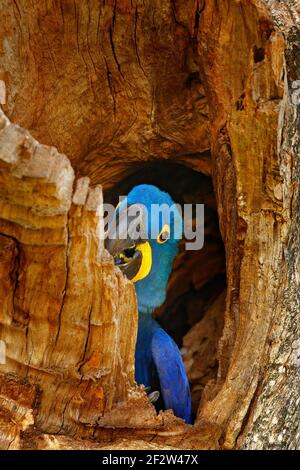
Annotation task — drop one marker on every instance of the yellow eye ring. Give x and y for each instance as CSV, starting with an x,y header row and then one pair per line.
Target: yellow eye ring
x,y
164,234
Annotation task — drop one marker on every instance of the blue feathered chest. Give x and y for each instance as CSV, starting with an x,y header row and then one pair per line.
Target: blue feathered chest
x,y
159,366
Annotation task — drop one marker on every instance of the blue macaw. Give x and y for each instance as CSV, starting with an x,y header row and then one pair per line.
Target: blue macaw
x,y
147,260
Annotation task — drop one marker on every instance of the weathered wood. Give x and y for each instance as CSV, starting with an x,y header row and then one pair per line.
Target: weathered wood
x,y
248,86
112,84
68,316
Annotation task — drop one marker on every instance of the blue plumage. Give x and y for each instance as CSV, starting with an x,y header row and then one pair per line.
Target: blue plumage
x,y
158,365
158,360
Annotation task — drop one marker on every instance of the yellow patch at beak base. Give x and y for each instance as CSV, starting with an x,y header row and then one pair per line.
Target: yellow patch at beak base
x,y
146,265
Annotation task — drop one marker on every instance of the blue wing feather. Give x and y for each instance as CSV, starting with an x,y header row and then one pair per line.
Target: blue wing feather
x,y
174,384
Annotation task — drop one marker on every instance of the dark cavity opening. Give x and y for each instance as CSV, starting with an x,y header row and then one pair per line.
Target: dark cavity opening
x,y
193,311
259,54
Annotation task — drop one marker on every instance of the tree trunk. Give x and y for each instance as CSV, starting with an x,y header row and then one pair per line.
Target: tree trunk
x,y
209,84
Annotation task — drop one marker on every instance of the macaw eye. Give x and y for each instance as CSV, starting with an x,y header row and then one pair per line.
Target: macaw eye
x,y
164,234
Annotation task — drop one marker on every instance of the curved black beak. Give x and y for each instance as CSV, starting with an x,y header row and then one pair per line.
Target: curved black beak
x,y
121,242
131,267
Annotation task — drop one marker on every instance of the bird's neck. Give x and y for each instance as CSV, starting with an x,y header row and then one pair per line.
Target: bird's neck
x,y
146,310
145,317
150,295
147,324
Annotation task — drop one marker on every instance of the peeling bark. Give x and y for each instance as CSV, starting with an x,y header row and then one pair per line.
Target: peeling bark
x,y
113,85
68,315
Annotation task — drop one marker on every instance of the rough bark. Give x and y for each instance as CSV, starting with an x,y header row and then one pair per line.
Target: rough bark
x,y
68,317
255,138
112,85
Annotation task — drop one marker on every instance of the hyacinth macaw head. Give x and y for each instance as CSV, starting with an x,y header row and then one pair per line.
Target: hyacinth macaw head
x,y
144,241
